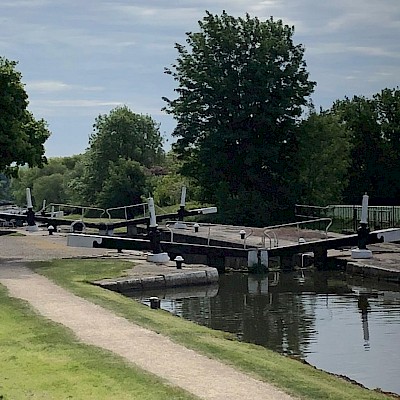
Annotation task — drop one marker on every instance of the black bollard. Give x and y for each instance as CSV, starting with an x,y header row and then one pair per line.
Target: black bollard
x,y
154,303
363,233
30,217
155,239
181,213
179,261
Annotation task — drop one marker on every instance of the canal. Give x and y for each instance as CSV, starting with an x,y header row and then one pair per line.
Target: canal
x,y
338,324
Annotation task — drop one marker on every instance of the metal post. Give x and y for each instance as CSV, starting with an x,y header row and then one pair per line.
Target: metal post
x,y
363,233
363,230
155,237
181,212
30,215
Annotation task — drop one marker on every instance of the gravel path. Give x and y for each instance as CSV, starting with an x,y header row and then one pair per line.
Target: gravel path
x,y
204,377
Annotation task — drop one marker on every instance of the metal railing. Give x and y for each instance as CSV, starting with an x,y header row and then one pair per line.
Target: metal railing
x,y
271,229
266,235
102,213
74,209
347,217
126,212
211,229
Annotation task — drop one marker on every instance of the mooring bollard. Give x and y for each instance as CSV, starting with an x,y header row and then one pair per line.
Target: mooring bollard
x,y
179,261
196,227
154,302
51,229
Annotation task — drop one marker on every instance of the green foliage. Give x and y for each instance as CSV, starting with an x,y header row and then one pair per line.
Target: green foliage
x,y
50,187
22,137
241,87
124,185
374,126
53,182
323,159
166,189
5,193
120,135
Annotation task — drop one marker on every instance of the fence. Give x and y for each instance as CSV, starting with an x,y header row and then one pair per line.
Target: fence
x,y
347,217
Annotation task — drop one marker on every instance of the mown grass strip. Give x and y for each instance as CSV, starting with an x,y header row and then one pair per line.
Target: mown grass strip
x,y
291,375
42,360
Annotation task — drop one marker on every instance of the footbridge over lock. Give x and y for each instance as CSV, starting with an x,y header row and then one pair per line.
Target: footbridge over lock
x,y
226,256
103,225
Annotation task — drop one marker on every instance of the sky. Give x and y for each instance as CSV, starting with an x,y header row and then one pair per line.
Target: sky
x,y
80,59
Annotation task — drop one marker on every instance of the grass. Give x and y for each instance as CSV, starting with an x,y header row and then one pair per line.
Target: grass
x,y
17,234
42,360
291,375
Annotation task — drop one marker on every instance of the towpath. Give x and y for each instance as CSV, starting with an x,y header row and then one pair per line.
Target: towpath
x,y
206,378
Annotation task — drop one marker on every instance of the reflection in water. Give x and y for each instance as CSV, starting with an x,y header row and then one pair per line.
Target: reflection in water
x,y
364,307
312,315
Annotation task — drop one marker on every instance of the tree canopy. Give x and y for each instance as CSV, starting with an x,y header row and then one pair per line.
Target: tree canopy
x,y
124,185
55,182
242,84
119,136
374,126
323,159
22,137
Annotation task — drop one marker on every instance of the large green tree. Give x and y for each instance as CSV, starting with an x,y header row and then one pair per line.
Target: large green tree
x,y
323,159
374,126
22,137
124,185
242,84
119,135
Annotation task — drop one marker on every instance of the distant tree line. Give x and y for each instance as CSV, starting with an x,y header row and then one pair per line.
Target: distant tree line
x,y
244,142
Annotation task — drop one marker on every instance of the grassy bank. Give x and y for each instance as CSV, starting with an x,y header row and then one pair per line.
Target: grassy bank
x,y
291,375
42,360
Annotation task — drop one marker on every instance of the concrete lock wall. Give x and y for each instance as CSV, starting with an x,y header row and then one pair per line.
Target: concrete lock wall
x,y
257,256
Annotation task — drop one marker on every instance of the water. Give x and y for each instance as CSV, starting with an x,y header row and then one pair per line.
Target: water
x,y
341,325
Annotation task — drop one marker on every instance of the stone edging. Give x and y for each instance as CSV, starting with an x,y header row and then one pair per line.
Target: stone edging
x,y
372,271
160,281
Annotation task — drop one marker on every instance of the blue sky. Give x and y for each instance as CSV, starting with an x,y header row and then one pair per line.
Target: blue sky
x,y
80,58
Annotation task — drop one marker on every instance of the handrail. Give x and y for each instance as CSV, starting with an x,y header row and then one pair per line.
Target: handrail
x,y
171,229
210,226
83,208
297,224
172,232
276,240
263,240
125,208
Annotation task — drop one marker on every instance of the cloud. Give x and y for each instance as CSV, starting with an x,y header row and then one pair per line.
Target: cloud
x,y
78,103
373,51
342,47
82,58
363,15
72,108
47,86
25,3
57,86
